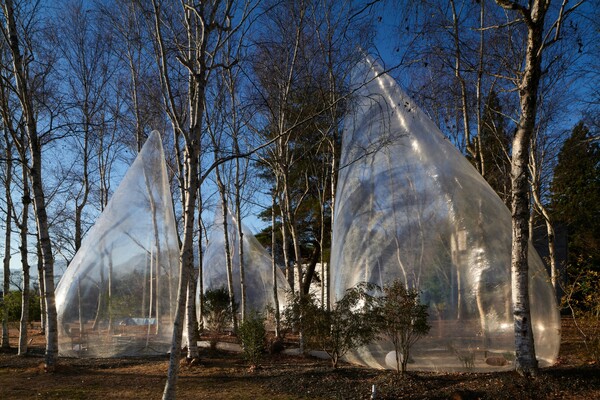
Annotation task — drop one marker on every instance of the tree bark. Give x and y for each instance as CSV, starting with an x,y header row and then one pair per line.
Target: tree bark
x,y
23,248
41,290
192,318
274,263
238,216
526,362
7,239
186,261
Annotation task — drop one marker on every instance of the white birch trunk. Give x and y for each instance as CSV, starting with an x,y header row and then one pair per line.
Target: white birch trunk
x,y
526,362
7,241
24,250
192,318
35,171
274,263
186,265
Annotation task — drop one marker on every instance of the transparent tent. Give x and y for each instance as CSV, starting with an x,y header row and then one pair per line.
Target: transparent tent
x,y
118,295
258,266
409,206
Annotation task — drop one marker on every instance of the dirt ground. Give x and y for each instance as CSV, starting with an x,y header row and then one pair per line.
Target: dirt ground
x,y
224,375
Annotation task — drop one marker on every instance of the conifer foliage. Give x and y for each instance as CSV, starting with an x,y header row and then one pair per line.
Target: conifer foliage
x,y
576,195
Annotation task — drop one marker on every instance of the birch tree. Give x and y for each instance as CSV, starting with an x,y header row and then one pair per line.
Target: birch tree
x,y
538,38
22,85
197,32
23,225
7,186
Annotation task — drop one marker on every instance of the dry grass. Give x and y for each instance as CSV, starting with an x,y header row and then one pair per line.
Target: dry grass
x,y
223,375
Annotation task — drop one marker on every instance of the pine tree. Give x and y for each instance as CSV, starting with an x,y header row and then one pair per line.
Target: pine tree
x,y
576,197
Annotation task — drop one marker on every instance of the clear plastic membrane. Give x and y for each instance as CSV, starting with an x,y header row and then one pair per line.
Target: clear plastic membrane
x,y
118,295
258,266
410,206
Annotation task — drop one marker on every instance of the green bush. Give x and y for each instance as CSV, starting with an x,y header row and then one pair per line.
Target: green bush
x,y
349,324
402,319
252,334
217,313
12,300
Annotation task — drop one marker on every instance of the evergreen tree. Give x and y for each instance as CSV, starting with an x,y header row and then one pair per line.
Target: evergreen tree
x,y
576,197
493,157
495,145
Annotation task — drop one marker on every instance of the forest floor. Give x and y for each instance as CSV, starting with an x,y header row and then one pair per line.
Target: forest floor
x,y
225,375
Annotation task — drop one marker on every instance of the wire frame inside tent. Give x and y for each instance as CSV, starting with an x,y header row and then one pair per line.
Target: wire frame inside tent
x,y
118,295
258,267
409,206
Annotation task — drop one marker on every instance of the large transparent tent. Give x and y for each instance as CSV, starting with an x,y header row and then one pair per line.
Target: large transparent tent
x,y
118,295
409,206
257,266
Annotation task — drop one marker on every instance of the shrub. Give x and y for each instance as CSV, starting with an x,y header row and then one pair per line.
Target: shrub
x,y
252,334
348,325
12,302
217,313
403,320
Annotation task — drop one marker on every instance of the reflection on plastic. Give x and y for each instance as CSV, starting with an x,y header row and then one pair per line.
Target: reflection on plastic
x,y
409,206
258,270
118,295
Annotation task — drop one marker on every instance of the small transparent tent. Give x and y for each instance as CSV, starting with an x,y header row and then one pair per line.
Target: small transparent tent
x,y
258,266
409,206
118,295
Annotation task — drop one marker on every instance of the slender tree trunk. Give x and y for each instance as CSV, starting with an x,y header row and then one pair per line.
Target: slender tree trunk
x,y
526,362
110,298
186,260
101,299
289,269
463,86
25,98
7,240
274,264
478,108
24,311
535,191
227,249
293,233
156,257
192,328
40,269
200,262
192,319
24,231
554,276
334,175
238,216
79,207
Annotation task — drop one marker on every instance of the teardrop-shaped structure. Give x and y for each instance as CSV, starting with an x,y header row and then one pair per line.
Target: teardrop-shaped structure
x,y
258,266
409,206
118,295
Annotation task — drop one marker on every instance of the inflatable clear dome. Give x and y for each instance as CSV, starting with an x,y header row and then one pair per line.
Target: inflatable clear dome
x,y
409,206
118,295
258,267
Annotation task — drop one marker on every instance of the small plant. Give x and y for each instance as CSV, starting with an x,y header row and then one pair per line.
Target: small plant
x,y
252,334
403,320
217,313
467,358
